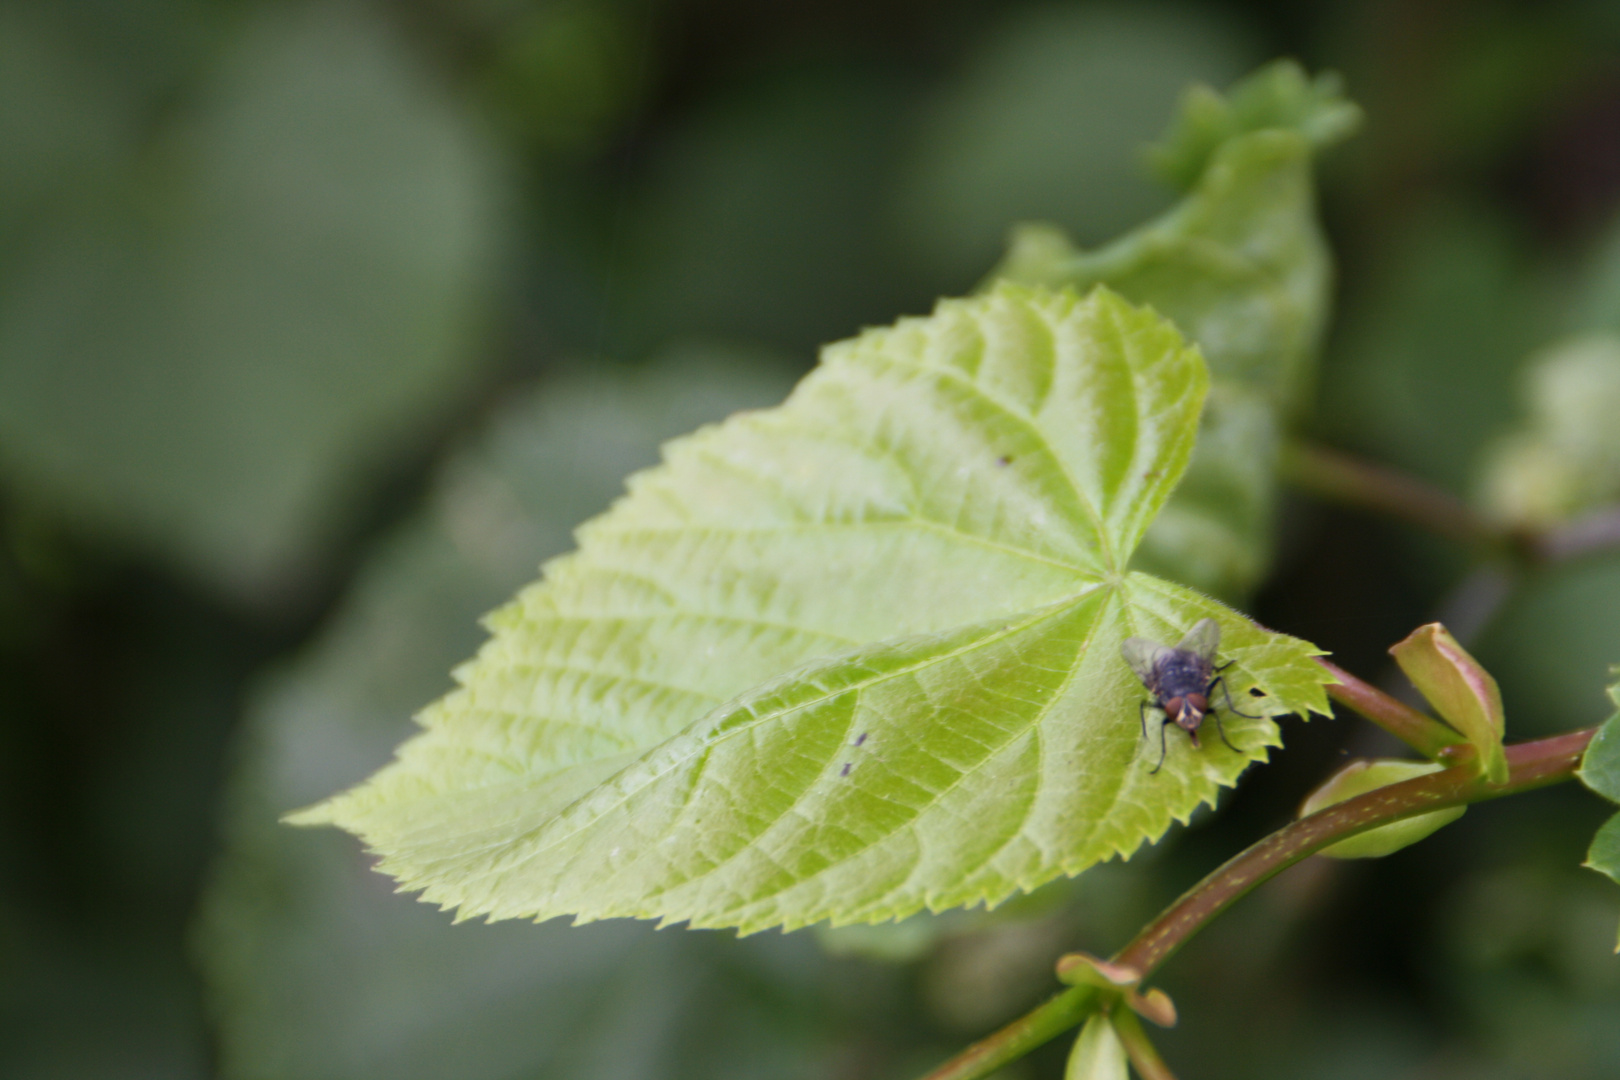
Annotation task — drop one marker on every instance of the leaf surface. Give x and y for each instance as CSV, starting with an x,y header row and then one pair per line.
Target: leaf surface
x,y
848,658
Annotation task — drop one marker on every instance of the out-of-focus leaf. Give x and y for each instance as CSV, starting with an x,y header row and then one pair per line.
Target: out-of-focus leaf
x,y
211,349
1241,266
61,121
1048,124
1461,691
1279,95
1097,1054
1360,777
317,969
1566,458
848,658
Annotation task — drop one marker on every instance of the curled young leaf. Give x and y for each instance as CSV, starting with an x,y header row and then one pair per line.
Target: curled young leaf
x,y
1461,691
1360,777
848,658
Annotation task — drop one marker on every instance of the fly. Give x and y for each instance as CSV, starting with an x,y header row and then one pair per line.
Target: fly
x,y
1182,680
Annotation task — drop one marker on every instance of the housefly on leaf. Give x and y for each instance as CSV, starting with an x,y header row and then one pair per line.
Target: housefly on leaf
x,y
1182,681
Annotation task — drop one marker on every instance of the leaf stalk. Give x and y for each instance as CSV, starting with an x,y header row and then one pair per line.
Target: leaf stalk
x,y
1342,478
1139,1048
1423,733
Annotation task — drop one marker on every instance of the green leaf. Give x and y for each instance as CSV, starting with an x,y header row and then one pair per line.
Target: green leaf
x,y
1279,95
1098,1054
849,658
1604,854
1360,777
1461,691
1565,460
1600,765
1242,267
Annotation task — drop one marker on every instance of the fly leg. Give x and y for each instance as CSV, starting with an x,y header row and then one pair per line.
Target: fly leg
x,y
1141,715
1221,681
1222,731
1160,765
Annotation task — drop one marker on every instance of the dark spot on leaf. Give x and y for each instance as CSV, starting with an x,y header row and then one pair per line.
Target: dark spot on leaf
x,y
845,770
1255,691
860,738
1004,461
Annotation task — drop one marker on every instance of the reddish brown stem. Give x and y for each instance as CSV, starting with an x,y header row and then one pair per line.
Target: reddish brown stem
x,y
1422,733
1346,479
1530,765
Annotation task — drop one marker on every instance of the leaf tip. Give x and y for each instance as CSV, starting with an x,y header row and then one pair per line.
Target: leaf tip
x,y
316,814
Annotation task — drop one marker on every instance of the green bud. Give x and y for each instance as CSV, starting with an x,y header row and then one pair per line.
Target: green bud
x,y
1360,777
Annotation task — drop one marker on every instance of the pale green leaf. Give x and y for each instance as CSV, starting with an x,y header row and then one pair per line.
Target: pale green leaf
x,y
1097,1054
849,658
1360,777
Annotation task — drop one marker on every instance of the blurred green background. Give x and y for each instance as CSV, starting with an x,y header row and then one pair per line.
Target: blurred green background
x,y
321,324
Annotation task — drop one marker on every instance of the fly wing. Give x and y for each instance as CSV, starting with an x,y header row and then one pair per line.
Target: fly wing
x,y
1202,640
1143,656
